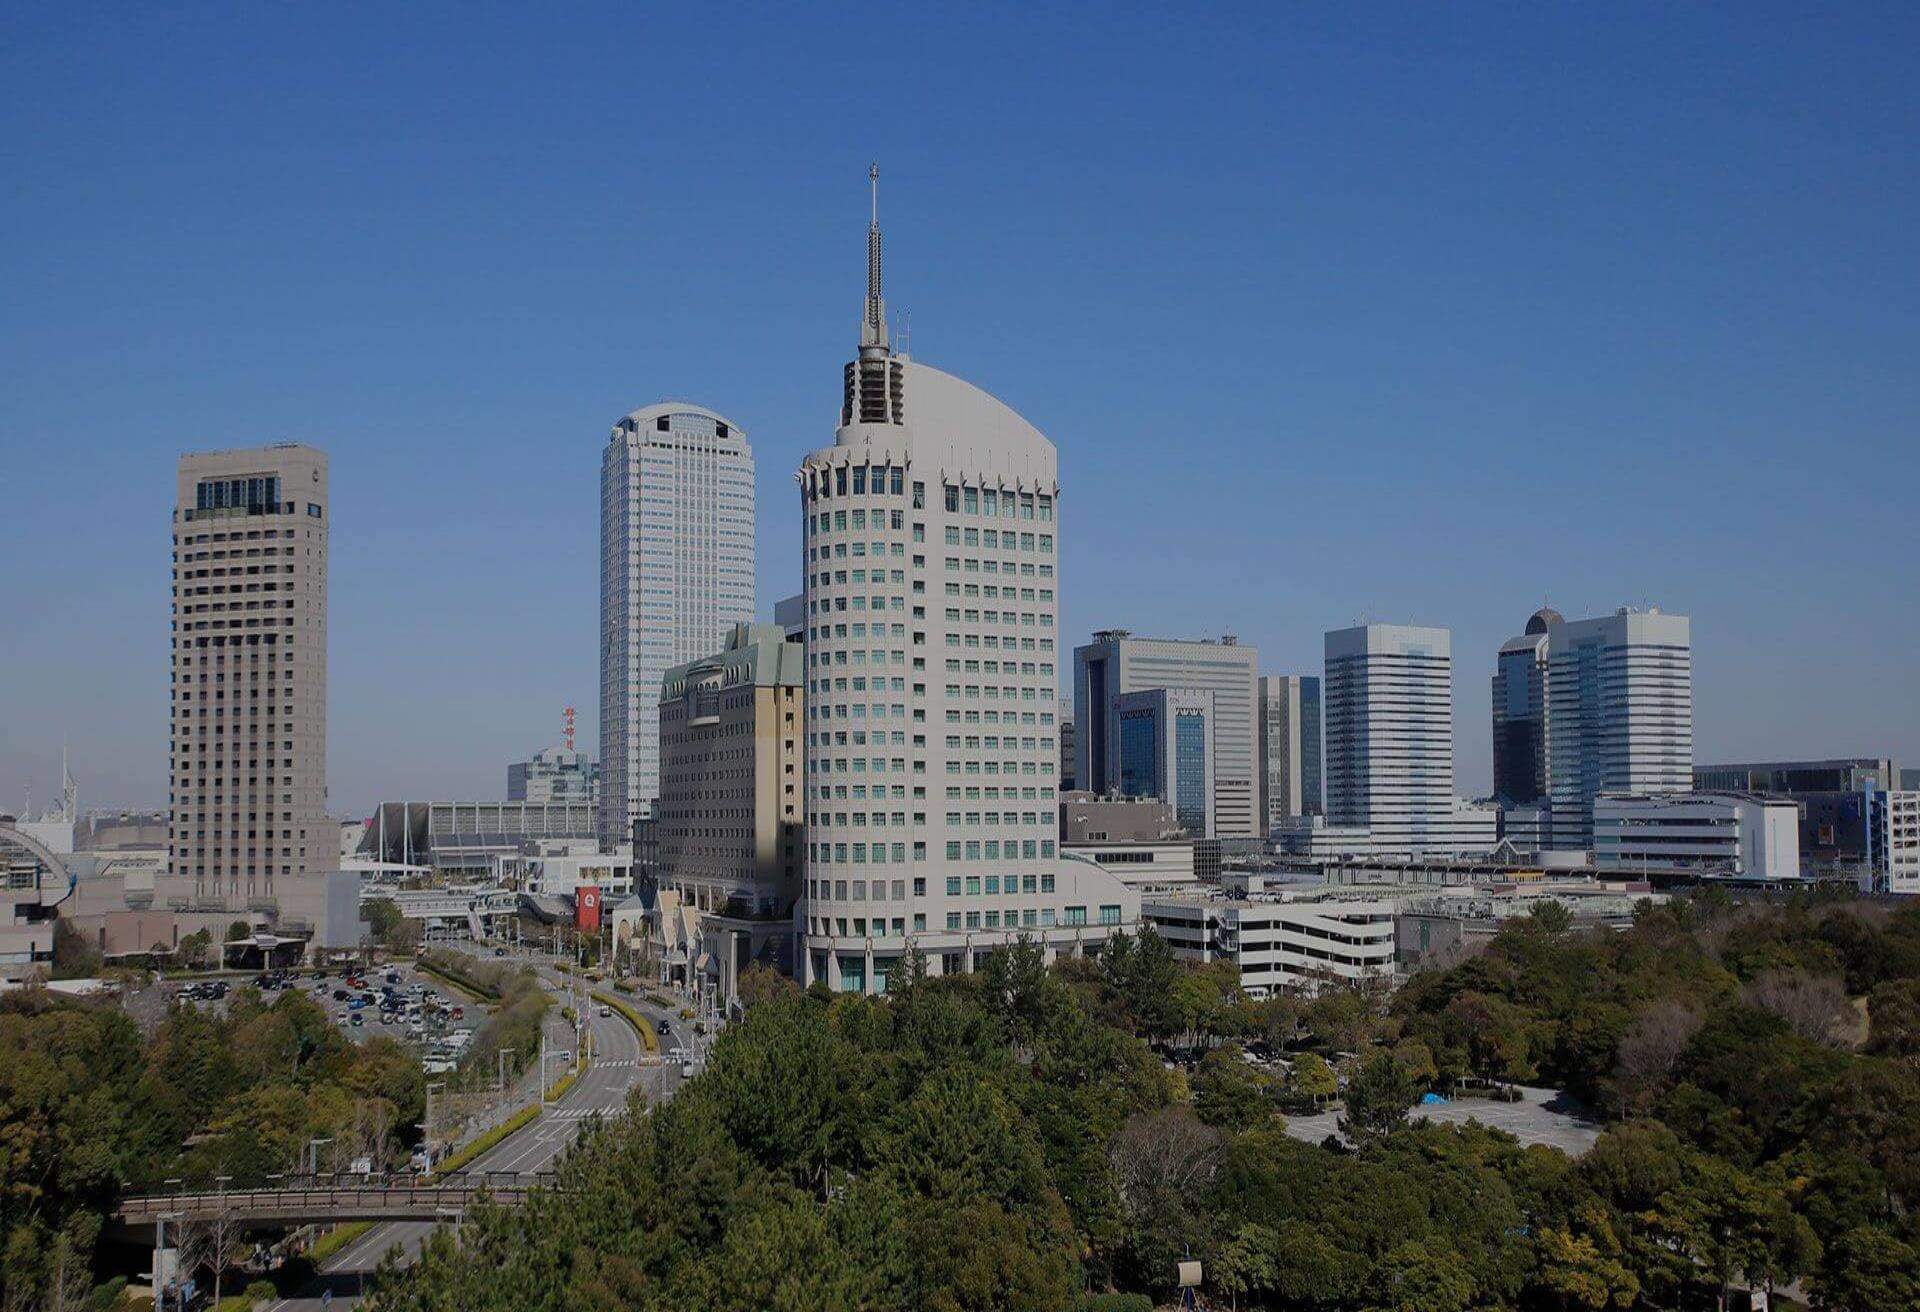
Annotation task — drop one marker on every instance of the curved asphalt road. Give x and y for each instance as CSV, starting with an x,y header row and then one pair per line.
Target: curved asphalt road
x,y
615,1072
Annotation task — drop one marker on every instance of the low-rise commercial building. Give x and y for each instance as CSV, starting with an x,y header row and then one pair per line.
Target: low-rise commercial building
x,y
1467,829
460,840
1285,941
1742,835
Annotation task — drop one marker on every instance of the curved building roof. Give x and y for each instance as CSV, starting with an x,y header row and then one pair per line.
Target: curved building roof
x,y
1543,619
645,416
958,427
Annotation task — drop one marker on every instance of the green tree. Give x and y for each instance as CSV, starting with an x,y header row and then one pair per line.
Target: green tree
x,y
1229,1093
1586,1270
1379,1096
1868,1268
1311,1080
73,956
1550,917
1143,974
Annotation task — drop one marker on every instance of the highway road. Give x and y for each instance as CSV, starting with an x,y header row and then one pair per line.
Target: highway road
x,y
615,1071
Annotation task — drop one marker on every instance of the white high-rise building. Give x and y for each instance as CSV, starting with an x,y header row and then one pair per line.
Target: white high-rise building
x,y
1389,742
932,754
1620,706
676,574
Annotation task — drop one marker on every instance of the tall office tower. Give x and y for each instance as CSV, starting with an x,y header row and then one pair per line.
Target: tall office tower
x,y
1166,751
932,587
1620,707
676,574
1389,710
1116,662
1520,714
248,791
1289,748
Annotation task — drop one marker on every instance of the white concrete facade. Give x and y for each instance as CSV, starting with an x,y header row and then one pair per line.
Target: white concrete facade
x,y
676,574
1748,835
1282,943
931,557
1893,840
1156,864
1389,746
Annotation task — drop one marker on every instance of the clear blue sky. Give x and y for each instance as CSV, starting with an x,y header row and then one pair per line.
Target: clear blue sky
x,y
1426,314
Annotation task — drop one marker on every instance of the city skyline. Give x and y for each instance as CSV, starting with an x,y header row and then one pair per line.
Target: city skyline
x,y
432,345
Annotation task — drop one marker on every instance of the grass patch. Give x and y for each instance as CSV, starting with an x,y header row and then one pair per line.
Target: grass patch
x,y
648,1039
560,1086
336,1239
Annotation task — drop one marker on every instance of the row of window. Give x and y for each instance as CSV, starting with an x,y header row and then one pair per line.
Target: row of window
x,y
992,502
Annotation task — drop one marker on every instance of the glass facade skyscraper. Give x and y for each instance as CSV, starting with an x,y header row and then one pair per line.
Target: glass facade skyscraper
x,y
1520,714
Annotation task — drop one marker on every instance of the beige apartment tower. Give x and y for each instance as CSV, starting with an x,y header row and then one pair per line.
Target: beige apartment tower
x,y
248,758
729,810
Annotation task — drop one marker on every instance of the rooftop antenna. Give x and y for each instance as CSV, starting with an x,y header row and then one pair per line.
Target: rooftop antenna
x,y
873,328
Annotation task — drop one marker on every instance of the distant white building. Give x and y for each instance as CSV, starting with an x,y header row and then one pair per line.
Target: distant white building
x,y
1748,835
1466,829
1288,940
1893,840
554,774
1388,698
1619,709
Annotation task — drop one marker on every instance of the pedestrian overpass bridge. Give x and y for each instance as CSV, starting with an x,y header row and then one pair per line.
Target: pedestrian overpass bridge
x,y
328,1200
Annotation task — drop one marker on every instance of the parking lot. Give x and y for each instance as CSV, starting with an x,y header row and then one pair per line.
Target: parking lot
x,y
1541,1116
396,1001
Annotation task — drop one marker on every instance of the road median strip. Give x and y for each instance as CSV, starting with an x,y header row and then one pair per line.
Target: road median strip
x,y
648,1039
336,1239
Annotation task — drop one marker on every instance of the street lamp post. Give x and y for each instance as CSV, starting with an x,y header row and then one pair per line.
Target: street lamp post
x,y
426,1124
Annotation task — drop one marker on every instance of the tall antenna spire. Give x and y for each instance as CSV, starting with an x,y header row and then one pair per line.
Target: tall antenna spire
x,y
873,327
